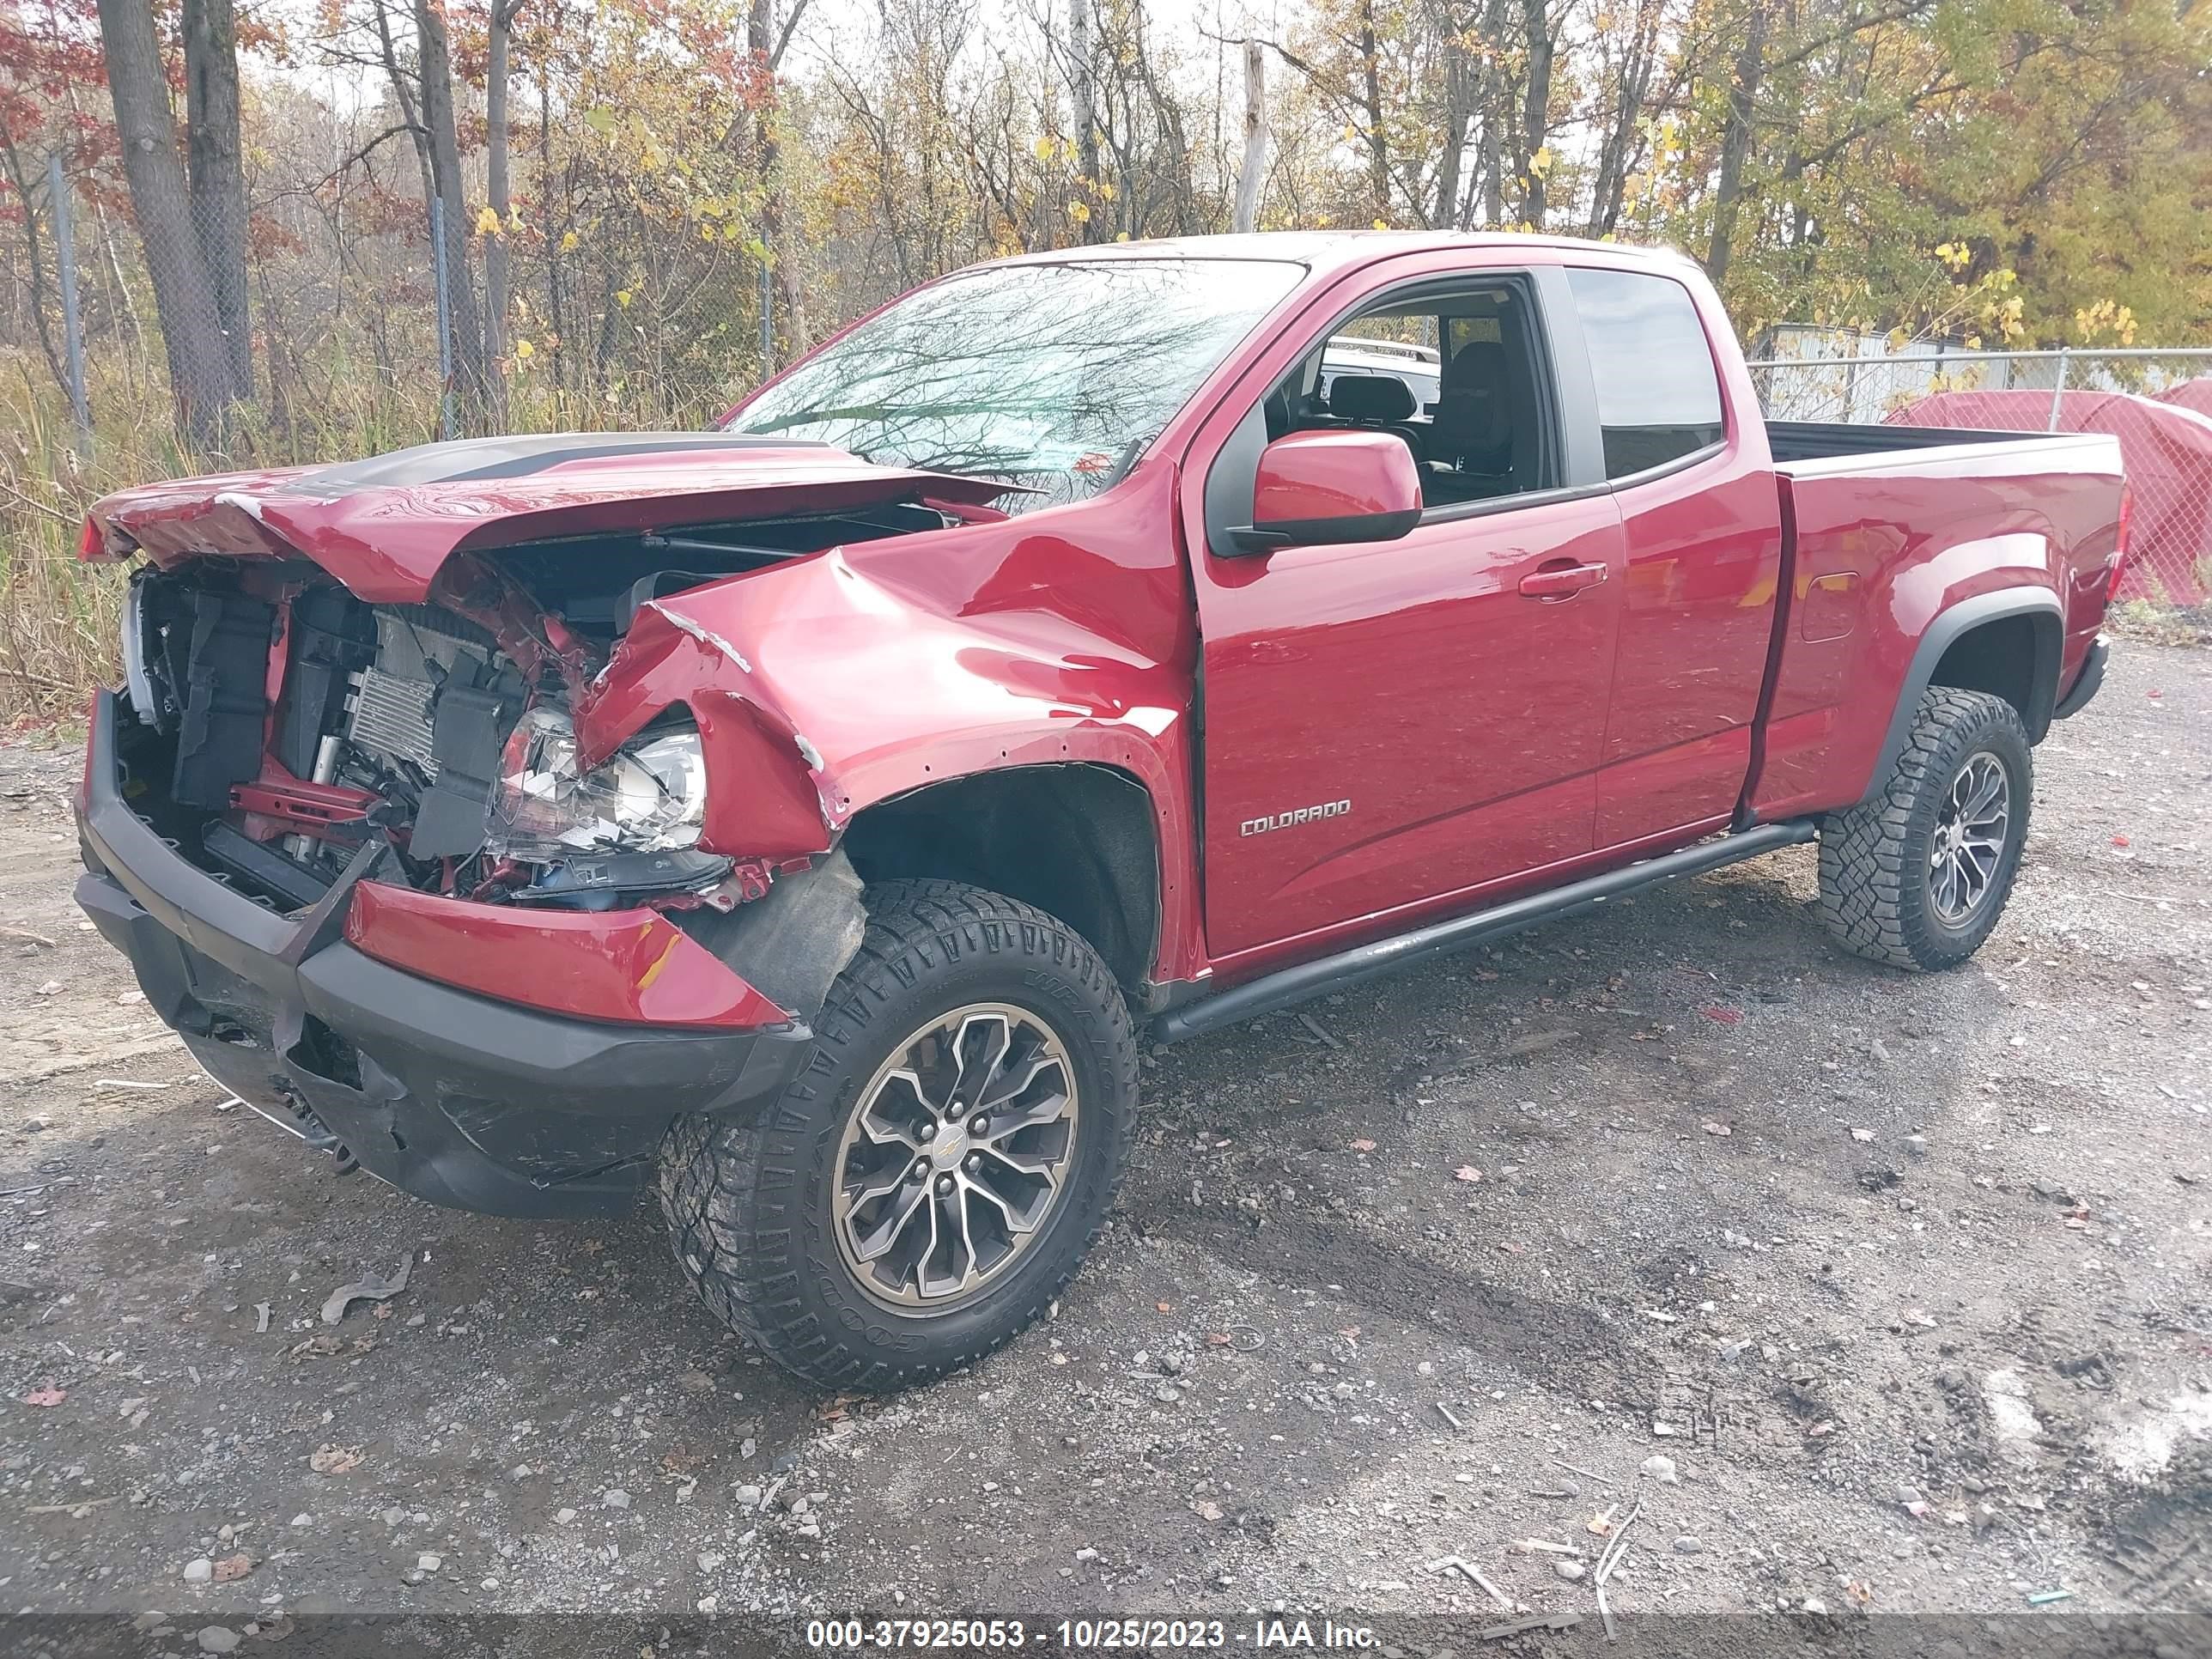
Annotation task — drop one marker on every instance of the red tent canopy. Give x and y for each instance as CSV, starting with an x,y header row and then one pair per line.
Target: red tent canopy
x,y
2167,451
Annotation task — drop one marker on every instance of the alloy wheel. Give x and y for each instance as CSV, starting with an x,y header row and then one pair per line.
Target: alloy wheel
x,y
1969,840
955,1157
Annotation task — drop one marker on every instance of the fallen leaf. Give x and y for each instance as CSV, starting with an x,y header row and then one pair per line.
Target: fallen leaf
x,y
335,1459
1602,1524
1206,1509
1217,1339
233,1568
1715,1127
1363,1146
49,1395
1468,1173
1723,1016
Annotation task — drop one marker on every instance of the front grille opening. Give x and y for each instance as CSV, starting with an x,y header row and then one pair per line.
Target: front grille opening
x,y
327,1055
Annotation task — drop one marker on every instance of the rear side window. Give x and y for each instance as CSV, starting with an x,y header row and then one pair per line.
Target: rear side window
x,y
1658,397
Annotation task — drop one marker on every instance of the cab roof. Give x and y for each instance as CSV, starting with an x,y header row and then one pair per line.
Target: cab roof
x,y
1327,251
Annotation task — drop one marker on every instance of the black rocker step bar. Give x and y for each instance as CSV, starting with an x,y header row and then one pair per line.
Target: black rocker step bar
x,y
1291,986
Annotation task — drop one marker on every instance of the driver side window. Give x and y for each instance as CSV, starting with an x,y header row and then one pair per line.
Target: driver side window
x,y
1455,371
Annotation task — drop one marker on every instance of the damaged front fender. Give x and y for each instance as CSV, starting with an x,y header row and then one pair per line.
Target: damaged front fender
x,y
822,686
763,798
828,685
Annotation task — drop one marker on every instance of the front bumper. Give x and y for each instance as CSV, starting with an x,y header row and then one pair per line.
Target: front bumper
x,y
457,1097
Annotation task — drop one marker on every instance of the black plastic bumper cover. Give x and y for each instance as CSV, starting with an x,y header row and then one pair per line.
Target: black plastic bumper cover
x,y
457,1098
2086,681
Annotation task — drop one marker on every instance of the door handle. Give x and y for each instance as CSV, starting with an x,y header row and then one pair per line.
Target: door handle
x,y
1561,581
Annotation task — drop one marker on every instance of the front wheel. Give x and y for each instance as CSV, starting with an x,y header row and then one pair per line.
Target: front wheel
x,y
1917,875
932,1180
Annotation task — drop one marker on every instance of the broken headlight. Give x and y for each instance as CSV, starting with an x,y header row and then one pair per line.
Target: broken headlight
x,y
649,797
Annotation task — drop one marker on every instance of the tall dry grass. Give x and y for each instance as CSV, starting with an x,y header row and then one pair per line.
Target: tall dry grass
x,y
57,616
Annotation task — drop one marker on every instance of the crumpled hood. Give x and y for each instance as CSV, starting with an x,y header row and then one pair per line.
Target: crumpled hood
x,y
386,527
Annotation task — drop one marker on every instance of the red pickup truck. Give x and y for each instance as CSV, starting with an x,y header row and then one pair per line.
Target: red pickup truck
x,y
805,816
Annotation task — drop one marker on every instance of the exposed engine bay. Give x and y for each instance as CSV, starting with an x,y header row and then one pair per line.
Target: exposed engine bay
x,y
283,724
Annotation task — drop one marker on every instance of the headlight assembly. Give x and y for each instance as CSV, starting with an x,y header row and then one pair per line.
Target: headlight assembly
x,y
649,797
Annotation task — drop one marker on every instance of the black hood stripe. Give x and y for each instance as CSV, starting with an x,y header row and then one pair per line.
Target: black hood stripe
x,y
470,460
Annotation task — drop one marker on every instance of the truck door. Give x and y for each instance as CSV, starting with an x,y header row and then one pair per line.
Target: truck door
x,y
1702,521
1389,724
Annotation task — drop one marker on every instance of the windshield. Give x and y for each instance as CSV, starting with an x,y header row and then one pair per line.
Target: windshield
x,y
1052,376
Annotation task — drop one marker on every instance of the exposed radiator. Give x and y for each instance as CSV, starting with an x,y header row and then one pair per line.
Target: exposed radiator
x,y
391,717
417,650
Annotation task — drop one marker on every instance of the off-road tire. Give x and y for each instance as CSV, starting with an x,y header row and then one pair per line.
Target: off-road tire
x,y
750,1205
1874,858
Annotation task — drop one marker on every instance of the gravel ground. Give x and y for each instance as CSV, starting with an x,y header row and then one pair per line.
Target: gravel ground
x,y
1907,1277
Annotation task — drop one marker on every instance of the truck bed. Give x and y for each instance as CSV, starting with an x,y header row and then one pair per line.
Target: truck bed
x,y
1885,527
1793,441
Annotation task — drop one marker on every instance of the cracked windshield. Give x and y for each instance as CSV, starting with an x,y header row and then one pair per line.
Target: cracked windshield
x,y
1051,376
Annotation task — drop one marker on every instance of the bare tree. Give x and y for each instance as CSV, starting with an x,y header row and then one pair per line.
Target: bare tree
x,y
217,178
18,175
201,374
1735,139
434,85
1621,143
765,43
1530,161
1253,172
1083,93
499,43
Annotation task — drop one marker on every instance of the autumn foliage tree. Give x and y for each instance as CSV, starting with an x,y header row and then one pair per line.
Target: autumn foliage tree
x,y
646,205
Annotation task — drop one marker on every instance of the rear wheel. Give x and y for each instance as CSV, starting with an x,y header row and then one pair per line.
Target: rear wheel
x,y
929,1184
1917,876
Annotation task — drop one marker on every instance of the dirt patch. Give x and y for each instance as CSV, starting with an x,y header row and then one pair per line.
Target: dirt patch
x,y
1908,1277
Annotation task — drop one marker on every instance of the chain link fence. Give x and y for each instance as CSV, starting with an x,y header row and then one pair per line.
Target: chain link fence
x,y
328,318
2158,402
345,314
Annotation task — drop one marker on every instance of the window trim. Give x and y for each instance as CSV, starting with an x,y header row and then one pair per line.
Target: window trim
x,y
1454,512
1668,469
1557,357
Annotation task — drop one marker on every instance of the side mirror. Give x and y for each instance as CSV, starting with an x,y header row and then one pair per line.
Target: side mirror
x,y
1332,486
